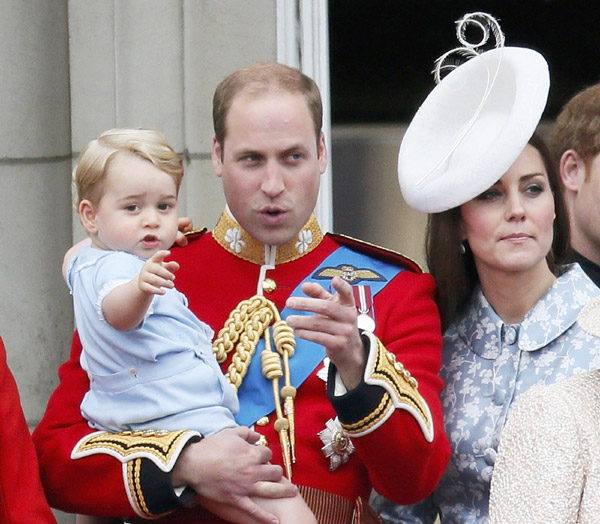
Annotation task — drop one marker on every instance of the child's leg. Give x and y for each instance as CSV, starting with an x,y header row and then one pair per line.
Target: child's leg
x,y
288,510
88,519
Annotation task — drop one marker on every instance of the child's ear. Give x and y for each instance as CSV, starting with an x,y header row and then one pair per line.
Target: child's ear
x,y
87,215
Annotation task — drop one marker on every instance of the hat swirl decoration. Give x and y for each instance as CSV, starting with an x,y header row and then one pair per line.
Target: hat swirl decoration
x,y
475,122
482,21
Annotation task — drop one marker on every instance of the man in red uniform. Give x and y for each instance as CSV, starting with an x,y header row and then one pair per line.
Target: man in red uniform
x,y
350,403
22,499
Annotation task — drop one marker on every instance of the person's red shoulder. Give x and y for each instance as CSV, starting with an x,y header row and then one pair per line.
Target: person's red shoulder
x,y
195,234
377,252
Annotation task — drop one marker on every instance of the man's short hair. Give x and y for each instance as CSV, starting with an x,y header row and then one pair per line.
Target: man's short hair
x,y
259,79
577,126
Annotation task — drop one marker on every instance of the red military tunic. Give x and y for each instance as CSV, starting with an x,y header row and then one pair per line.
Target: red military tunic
x,y
22,499
392,453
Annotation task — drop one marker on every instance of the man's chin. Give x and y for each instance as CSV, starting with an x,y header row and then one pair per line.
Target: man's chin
x,y
275,237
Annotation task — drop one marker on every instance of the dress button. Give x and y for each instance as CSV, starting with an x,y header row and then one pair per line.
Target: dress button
x,y
499,396
489,455
133,371
510,335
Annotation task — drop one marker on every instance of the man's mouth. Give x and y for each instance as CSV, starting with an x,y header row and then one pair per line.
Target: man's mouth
x,y
273,216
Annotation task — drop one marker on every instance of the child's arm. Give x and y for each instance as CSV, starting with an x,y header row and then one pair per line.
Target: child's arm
x,y
126,305
71,253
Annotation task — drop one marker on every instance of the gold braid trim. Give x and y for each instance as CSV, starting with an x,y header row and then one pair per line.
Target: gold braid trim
x,y
161,447
134,489
401,392
242,330
231,237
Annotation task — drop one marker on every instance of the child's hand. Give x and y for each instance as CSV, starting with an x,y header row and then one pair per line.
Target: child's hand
x,y
157,274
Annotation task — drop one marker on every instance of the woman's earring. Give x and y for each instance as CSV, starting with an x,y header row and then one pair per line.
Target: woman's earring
x,y
463,248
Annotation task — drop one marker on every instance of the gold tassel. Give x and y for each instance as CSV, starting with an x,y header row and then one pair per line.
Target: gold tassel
x,y
271,368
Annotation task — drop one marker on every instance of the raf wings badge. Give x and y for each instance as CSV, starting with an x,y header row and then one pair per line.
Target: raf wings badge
x,y
349,273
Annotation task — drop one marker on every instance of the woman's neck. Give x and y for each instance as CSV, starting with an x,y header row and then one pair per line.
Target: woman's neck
x,y
512,295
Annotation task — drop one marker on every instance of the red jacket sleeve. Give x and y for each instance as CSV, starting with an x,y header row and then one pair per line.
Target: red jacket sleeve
x,y
22,499
92,483
403,464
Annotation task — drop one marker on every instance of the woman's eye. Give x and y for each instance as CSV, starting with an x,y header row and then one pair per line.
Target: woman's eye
x,y
534,189
490,194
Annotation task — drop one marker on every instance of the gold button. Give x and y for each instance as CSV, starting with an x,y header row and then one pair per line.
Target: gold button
x,y
269,285
262,441
262,421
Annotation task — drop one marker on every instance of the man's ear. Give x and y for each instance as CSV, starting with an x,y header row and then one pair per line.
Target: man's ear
x,y
216,156
572,170
322,153
87,215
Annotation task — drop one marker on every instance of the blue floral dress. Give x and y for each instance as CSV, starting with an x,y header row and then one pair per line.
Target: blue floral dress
x,y
487,365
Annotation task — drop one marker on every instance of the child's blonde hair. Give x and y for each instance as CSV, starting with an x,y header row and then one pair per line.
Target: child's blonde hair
x,y
93,162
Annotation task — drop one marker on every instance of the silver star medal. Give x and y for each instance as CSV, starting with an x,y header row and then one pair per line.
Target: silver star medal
x,y
337,444
365,323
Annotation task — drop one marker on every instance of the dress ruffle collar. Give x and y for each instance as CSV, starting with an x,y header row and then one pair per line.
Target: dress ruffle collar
x,y
484,331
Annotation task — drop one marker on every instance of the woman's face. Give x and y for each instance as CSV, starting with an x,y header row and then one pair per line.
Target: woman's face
x,y
509,226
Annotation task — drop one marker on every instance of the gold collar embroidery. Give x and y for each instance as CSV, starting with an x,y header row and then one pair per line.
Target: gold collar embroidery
x,y
230,235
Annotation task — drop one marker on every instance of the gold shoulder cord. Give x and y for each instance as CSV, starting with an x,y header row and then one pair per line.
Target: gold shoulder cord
x,y
246,324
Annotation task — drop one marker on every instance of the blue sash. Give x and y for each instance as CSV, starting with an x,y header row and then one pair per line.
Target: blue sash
x,y
256,393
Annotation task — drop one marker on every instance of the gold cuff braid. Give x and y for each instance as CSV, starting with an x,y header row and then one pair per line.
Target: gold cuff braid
x,y
130,447
401,392
161,447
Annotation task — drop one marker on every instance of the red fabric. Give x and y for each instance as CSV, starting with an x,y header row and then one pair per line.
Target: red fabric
x,y
395,459
22,499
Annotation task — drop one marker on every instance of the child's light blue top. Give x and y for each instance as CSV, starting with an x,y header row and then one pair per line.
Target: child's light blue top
x,y
160,375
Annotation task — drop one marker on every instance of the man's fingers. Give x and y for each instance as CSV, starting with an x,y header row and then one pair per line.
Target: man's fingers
x,y
344,291
275,490
246,433
184,224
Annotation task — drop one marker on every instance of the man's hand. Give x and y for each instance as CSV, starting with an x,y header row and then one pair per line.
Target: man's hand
x,y
226,469
157,274
184,225
333,325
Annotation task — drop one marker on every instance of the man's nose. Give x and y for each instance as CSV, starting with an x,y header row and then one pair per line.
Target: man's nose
x,y
273,182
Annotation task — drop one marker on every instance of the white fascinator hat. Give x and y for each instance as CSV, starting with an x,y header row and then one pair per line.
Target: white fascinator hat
x,y
476,121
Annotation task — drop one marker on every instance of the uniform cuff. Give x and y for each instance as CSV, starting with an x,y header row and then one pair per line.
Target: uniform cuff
x,y
386,386
357,403
156,495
